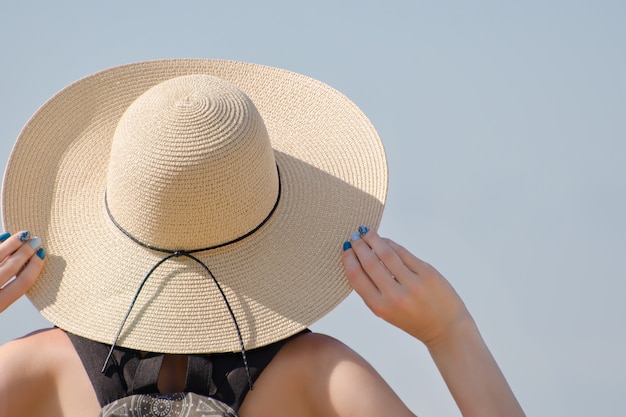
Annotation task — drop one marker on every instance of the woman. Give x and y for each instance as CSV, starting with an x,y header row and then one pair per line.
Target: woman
x,y
194,212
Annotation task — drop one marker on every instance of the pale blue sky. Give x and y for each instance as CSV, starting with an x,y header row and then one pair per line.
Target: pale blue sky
x,y
505,129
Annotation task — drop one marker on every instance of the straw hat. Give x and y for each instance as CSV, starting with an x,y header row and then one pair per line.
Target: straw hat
x,y
259,174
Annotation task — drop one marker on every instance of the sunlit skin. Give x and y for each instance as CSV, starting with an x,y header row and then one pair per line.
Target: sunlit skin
x,y
312,375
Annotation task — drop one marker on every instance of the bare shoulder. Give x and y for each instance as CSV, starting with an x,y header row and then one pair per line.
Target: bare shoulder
x,y
45,352
29,356
317,375
42,375
27,371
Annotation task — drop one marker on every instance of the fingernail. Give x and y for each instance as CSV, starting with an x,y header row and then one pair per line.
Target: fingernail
x,y
35,242
24,236
355,236
41,253
5,236
346,246
363,230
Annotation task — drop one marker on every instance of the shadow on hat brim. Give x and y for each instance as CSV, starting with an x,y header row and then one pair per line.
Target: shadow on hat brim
x,y
278,281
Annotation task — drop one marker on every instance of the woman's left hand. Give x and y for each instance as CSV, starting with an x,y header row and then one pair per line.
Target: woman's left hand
x,y
402,289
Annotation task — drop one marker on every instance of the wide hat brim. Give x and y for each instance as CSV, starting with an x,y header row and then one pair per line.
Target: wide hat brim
x,y
278,281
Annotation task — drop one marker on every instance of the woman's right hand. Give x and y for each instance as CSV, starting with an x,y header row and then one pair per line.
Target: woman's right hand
x,y
21,262
410,294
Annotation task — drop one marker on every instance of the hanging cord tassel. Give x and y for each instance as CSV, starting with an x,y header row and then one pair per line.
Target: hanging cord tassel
x,y
232,315
188,254
132,303
219,287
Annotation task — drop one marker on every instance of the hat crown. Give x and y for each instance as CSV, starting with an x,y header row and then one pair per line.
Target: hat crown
x,y
191,165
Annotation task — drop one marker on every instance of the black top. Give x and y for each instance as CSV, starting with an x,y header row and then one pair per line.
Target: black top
x,y
221,376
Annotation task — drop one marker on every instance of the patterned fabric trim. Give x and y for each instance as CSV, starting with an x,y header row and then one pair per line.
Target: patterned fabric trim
x,y
185,404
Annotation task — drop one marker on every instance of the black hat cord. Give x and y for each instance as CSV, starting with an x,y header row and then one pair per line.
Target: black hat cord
x,y
188,254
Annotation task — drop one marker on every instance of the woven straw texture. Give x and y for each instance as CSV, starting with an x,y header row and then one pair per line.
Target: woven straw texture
x,y
279,280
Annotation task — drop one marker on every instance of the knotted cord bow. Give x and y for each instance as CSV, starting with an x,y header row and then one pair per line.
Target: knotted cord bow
x,y
188,254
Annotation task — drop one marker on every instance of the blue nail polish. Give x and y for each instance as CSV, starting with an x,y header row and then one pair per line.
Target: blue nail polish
x,y
5,236
346,246
355,236
41,253
35,242
363,230
24,236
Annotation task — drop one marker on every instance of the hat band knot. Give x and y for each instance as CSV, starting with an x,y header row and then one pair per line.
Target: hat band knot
x,y
189,254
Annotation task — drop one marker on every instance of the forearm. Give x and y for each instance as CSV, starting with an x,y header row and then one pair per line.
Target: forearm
x,y
472,375
413,296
